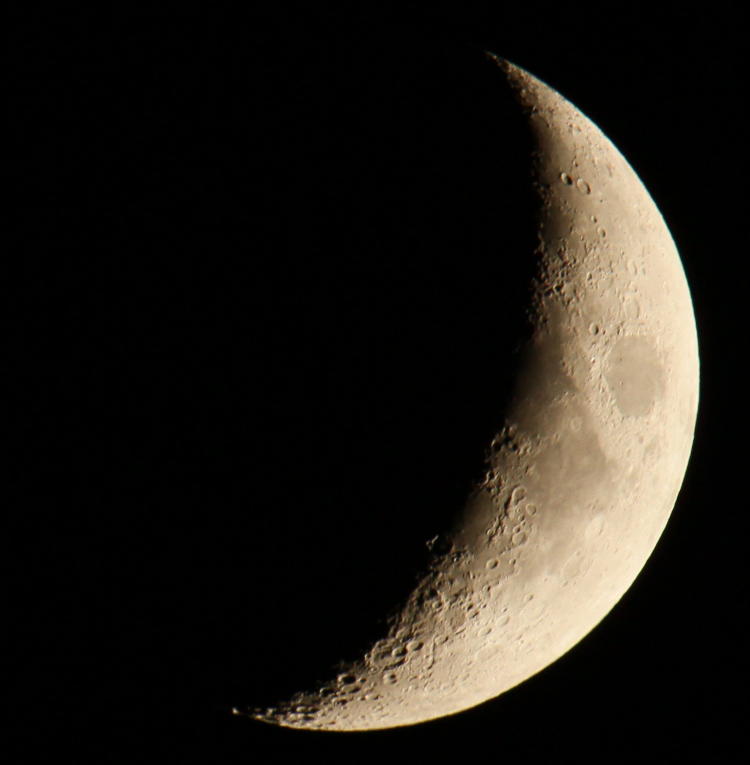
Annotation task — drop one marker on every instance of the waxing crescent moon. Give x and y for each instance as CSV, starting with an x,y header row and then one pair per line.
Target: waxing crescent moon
x,y
582,477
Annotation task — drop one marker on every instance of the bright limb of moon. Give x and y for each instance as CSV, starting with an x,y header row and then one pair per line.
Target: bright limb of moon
x,y
583,476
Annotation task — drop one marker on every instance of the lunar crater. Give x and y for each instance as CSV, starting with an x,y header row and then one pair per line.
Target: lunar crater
x,y
635,375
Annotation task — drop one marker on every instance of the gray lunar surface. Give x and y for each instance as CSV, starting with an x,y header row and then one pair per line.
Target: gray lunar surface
x,y
583,476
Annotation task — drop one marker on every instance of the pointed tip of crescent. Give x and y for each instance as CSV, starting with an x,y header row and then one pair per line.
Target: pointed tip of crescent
x,y
517,76
503,63
507,66
273,716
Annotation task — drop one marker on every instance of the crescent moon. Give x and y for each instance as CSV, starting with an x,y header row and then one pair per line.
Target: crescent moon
x,y
582,477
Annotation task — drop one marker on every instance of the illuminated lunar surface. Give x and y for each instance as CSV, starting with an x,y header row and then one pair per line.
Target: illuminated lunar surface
x,y
583,476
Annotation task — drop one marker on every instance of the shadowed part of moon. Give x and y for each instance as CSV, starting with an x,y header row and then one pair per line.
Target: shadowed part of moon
x,y
383,332
634,375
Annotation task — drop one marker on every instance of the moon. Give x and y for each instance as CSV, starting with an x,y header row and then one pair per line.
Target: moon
x,y
580,480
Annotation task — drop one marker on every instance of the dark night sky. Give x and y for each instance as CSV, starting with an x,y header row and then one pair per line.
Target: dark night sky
x,y
263,292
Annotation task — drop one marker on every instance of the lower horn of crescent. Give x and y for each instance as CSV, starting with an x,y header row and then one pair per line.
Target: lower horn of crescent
x,y
581,480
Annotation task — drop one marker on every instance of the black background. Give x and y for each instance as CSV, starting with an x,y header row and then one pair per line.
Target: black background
x,y
265,294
